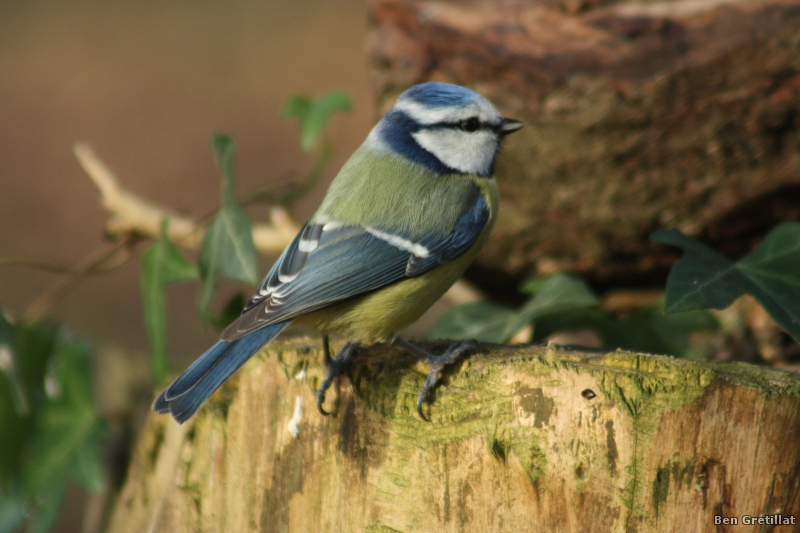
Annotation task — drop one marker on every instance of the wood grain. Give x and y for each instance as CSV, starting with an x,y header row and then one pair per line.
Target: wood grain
x,y
516,443
639,116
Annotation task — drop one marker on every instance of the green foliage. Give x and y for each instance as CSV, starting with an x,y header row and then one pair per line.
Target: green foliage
x,y
13,509
315,114
704,279
24,352
162,265
482,321
230,312
488,322
52,431
561,303
227,248
558,293
649,330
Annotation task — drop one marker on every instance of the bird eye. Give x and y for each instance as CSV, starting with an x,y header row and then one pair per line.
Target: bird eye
x,y
471,124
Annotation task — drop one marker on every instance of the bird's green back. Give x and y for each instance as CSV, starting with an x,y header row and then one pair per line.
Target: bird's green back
x,y
383,191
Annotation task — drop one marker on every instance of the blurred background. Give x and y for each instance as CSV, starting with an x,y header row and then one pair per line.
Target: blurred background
x,y
145,84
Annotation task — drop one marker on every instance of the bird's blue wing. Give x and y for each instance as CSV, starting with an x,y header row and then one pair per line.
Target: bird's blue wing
x,y
460,239
329,263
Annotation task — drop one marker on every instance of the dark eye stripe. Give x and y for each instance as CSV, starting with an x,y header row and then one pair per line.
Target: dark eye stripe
x,y
458,126
471,124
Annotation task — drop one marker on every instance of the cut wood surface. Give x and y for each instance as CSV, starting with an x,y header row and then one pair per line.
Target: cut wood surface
x,y
520,439
640,115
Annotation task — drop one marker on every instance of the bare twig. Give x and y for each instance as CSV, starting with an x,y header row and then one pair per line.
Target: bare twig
x,y
131,213
103,259
128,211
313,176
272,192
41,264
56,268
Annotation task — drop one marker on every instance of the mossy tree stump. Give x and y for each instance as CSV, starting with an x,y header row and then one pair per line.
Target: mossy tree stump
x,y
520,439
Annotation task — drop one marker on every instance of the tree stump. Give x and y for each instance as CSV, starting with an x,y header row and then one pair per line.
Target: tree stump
x,y
520,439
639,116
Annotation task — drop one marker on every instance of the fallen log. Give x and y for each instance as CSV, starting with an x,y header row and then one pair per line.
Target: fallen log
x,y
639,116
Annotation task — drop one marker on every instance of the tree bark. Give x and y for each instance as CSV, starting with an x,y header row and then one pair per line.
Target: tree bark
x,y
520,439
639,116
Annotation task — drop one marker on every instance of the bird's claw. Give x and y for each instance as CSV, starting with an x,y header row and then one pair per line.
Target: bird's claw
x,y
454,352
334,367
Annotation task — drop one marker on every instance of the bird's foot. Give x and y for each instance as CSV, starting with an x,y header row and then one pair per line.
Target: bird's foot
x,y
334,367
454,352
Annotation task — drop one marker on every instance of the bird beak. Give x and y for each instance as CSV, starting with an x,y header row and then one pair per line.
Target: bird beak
x,y
509,125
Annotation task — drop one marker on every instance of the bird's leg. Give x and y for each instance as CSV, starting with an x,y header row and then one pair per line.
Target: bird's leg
x,y
326,349
334,366
436,363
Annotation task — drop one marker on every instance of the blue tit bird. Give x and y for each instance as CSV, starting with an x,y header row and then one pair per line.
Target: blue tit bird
x,y
398,226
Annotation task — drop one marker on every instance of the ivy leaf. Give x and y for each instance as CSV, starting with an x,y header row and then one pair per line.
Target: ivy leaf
x,y
33,347
61,432
296,106
227,248
229,313
703,279
48,504
25,350
488,322
532,285
482,321
68,430
558,293
162,265
649,331
13,510
315,114
653,331
88,469
66,437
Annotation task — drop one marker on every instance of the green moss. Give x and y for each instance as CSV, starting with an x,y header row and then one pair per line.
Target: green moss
x,y
648,385
399,479
769,380
533,460
473,398
380,528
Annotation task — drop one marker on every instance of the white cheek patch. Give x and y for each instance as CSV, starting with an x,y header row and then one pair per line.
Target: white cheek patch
x,y
464,151
399,242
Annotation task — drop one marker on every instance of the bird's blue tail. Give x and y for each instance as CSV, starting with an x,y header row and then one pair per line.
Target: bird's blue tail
x,y
199,381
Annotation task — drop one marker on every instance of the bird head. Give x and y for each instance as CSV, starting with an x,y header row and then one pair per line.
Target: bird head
x,y
445,127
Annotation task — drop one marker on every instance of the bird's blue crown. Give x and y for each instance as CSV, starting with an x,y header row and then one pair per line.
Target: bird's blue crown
x,y
437,94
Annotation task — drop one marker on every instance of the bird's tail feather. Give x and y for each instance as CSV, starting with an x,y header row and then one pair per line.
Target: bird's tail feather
x,y
204,376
